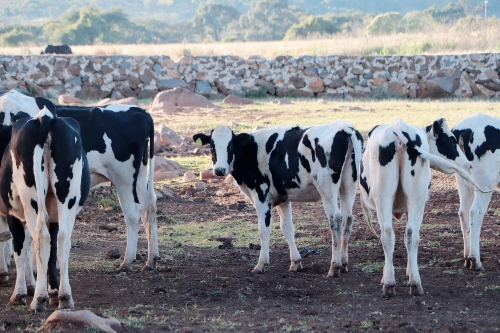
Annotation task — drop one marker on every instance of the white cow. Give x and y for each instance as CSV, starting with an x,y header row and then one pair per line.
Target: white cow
x,y
276,166
479,138
395,179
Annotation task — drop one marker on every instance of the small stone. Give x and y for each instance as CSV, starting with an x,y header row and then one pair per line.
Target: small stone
x,y
113,254
200,186
189,176
233,206
201,194
206,174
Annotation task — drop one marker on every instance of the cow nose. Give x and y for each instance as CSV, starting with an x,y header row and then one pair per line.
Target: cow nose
x,y
220,171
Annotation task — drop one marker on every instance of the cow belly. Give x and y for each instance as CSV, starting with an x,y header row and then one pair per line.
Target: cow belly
x,y
307,194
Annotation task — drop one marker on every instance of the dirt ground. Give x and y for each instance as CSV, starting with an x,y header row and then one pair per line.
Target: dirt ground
x,y
206,288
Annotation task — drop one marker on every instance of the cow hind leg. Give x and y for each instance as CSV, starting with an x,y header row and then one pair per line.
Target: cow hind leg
x,y
347,197
286,224
52,266
20,248
131,213
478,209
412,240
466,195
63,249
329,195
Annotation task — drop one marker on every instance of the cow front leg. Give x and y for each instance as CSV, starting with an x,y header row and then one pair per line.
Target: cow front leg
x,y
264,225
286,224
478,209
5,253
20,248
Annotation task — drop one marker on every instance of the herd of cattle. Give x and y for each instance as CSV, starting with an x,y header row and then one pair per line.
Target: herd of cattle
x,y
53,155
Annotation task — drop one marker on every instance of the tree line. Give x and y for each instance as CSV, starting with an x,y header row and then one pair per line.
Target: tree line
x,y
264,20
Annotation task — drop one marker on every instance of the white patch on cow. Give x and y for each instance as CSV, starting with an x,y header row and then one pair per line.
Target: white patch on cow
x,y
221,136
118,107
44,112
14,102
286,161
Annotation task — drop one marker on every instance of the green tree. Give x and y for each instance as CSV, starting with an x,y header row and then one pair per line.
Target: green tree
x,y
418,21
450,13
266,20
387,23
16,38
213,18
313,24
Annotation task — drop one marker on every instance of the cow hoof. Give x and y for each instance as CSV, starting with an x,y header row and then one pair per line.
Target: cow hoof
x,y
416,290
148,268
124,268
257,271
334,271
54,298
388,291
296,266
344,269
31,290
18,300
66,302
5,236
40,304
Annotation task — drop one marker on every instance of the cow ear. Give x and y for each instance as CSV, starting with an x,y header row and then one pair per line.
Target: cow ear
x,y
203,138
42,102
242,139
437,127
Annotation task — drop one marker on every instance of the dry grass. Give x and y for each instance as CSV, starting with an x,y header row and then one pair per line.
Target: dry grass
x,y
441,40
363,114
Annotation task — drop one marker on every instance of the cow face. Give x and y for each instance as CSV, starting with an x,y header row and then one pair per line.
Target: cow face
x,y
223,145
443,143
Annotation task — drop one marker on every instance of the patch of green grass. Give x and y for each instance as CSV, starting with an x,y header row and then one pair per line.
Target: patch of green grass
x,y
194,163
493,288
366,324
366,243
350,293
108,202
370,267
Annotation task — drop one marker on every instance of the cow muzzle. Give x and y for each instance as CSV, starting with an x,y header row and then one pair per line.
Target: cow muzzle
x,y
220,171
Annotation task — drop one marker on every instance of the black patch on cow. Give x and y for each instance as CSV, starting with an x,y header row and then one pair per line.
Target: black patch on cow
x,y
467,137
22,142
305,163
270,142
268,217
17,230
52,267
371,131
412,172
409,234
307,143
34,204
6,178
129,131
410,147
284,161
386,154
71,202
246,167
85,183
446,145
320,153
338,154
491,142
362,180
353,155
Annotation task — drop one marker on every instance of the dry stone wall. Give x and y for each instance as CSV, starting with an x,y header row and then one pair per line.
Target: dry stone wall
x,y
97,77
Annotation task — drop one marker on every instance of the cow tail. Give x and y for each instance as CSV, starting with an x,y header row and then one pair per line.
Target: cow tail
x,y
151,168
357,150
41,158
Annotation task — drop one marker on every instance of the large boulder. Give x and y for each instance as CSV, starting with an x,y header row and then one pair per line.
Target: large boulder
x,y
180,97
165,169
125,101
439,85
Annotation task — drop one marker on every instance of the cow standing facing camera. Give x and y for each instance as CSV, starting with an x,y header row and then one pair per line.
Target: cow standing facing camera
x,y
276,166
44,176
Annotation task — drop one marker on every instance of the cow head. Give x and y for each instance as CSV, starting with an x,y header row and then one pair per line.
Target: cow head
x,y
223,144
443,143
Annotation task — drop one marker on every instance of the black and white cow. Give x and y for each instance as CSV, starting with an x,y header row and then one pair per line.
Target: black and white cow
x,y
276,166
395,179
479,138
115,138
57,49
44,176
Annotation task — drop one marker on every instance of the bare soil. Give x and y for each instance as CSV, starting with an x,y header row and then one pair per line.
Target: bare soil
x,y
202,289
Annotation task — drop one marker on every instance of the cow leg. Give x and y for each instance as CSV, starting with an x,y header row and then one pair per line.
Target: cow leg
x,y
147,198
329,195
477,211
4,250
264,216
347,197
52,266
63,248
286,224
412,239
131,212
466,195
41,237
30,275
21,244
384,214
